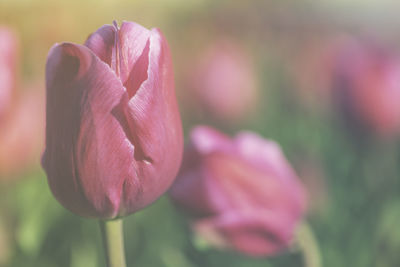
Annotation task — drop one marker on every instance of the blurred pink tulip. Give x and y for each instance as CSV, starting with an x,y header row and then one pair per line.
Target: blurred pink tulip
x,y
367,84
241,193
113,135
22,138
21,113
223,82
8,65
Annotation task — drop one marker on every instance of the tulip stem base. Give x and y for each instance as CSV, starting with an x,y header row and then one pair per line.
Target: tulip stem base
x,y
308,245
113,241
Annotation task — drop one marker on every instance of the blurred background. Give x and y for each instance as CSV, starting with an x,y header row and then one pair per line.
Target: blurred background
x,y
322,78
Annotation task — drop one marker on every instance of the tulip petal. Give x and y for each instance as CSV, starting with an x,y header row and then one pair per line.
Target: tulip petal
x,y
263,153
257,234
235,190
127,53
154,121
207,140
88,156
102,43
196,196
134,55
268,156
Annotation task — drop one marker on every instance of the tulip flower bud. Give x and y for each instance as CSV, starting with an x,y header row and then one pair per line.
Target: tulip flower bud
x,y
241,193
366,83
113,133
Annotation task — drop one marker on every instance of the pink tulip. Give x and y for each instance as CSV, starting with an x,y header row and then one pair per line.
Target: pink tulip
x,y
21,139
223,82
367,84
241,193
8,62
114,134
21,114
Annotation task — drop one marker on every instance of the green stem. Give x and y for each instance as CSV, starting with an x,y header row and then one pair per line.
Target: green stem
x,y
308,246
113,240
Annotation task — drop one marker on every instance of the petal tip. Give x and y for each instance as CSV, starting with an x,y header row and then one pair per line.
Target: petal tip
x,y
67,62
